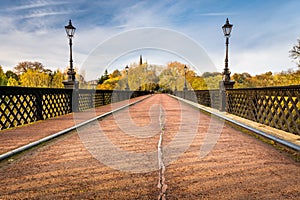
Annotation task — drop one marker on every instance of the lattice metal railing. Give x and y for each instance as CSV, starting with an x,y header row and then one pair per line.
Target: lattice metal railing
x,y
20,105
55,102
209,98
95,98
278,107
17,109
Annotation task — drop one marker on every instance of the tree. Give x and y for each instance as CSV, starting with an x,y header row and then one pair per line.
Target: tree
x,y
241,80
26,65
173,76
12,82
104,77
34,78
11,74
109,84
3,79
199,83
115,74
56,79
295,53
209,74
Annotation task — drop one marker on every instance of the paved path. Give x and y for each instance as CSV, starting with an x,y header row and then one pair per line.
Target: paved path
x,y
158,148
15,137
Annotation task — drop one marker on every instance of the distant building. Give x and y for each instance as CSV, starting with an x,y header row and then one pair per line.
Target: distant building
x,y
93,83
141,60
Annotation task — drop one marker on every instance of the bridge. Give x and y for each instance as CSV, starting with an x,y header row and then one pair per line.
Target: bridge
x,y
89,144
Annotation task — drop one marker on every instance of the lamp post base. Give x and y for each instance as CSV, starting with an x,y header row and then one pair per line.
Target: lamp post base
x,y
223,86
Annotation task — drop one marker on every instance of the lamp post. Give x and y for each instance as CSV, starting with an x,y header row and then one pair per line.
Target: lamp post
x,y
226,83
227,27
70,30
127,86
185,86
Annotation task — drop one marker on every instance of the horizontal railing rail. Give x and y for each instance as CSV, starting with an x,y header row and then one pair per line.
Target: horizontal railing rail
x,y
23,105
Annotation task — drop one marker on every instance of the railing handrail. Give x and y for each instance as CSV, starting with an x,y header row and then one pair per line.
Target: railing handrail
x,y
268,88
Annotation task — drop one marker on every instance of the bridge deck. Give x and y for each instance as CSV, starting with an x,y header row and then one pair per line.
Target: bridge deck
x,y
120,157
15,137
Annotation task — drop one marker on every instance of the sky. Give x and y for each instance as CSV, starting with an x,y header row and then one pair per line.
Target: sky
x,y
263,33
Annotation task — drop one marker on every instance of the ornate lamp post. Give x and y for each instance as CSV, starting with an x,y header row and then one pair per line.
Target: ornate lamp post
x,y
226,83
127,86
70,30
185,86
227,27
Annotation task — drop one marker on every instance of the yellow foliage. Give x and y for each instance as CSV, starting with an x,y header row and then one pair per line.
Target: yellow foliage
x,y
12,82
109,84
34,78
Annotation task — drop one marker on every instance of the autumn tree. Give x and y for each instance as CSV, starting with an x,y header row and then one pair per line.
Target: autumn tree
x,y
140,77
11,74
34,78
109,81
12,78
3,79
12,82
56,79
242,80
295,53
103,77
199,83
23,67
173,76
115,74
210,74
212,82
267,79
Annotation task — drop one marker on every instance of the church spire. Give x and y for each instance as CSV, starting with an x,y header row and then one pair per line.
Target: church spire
x,y
141,60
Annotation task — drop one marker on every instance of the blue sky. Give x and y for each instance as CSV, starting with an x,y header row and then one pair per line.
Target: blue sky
x,y
263,33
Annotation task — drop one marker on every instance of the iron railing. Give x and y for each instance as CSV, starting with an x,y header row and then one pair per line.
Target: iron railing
x,y
278,107
209,98
22,105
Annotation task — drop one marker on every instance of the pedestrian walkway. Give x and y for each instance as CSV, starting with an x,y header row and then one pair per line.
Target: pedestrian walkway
x,y
120,157
19,136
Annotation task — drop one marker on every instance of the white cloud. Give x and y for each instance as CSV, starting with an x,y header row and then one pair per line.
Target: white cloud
x,y
43,13
21,46
35,4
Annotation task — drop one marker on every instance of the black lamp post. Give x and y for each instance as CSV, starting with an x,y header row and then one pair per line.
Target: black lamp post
x,y
70,30
226,83
227,30
127,86
185,86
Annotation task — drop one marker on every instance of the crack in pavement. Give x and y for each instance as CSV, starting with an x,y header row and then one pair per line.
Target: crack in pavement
x,y
162,181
